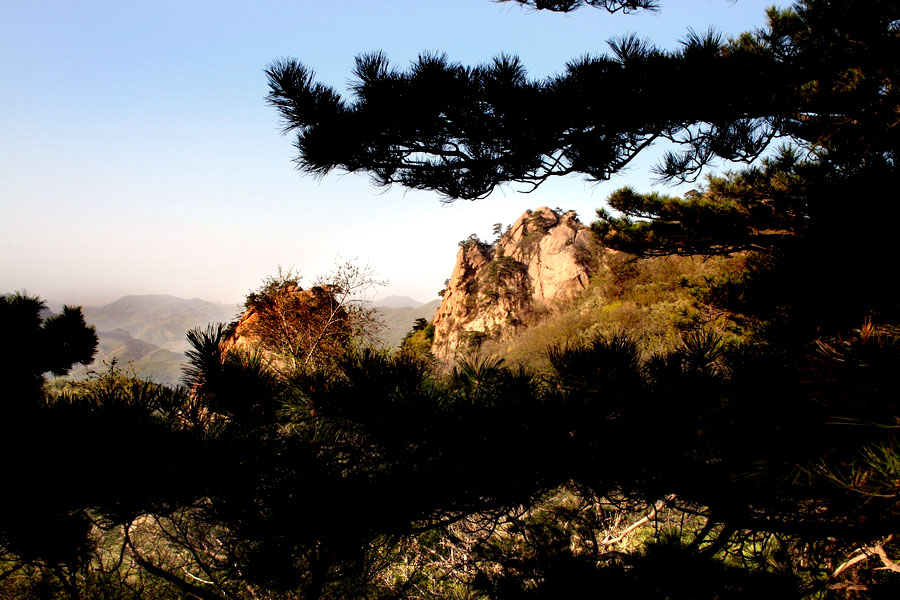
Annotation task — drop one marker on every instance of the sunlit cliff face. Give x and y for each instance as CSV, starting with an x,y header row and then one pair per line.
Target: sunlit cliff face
x,y
543,257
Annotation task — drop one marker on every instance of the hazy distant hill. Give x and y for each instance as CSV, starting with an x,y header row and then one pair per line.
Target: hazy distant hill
x,y
158,319
398,321
53,307
397,302
148,360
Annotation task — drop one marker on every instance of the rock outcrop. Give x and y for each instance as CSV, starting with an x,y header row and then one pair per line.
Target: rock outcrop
x,y
291,326
544,257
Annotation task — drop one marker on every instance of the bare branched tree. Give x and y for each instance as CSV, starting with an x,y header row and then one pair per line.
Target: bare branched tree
x,y
298,328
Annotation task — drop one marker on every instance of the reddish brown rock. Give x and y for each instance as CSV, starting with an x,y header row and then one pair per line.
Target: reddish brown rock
x,y
291,327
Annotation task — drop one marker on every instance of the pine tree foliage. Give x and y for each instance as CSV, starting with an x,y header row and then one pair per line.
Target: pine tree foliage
x,y
309,485
822,73
42,344
762,209
611,6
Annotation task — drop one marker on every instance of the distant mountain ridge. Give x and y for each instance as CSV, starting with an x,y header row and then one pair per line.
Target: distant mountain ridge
x,y
398,321
397,302
161,320
147,333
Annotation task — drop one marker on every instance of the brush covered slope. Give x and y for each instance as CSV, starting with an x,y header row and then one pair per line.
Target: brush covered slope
x,y
548,282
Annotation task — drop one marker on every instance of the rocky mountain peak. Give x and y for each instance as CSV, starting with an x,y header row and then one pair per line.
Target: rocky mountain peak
x,y
545,256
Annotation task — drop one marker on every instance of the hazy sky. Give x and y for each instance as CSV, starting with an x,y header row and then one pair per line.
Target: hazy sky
x,y
137,154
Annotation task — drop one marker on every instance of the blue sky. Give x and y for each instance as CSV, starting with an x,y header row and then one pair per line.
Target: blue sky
x,y
137,154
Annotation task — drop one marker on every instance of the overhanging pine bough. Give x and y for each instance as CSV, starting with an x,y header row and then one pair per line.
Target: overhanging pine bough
x,y
816,75
462,131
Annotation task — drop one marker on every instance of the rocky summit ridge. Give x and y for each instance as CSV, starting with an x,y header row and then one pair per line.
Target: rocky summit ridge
x,y
544,257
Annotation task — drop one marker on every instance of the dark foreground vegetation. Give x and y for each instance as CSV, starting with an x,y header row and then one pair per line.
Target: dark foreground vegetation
x,y
766,466
760,472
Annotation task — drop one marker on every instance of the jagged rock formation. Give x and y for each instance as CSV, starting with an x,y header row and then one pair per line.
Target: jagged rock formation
x,y
544,257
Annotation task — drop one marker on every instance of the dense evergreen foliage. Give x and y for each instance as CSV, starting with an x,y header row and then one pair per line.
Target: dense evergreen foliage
x,y
822,74
316,485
